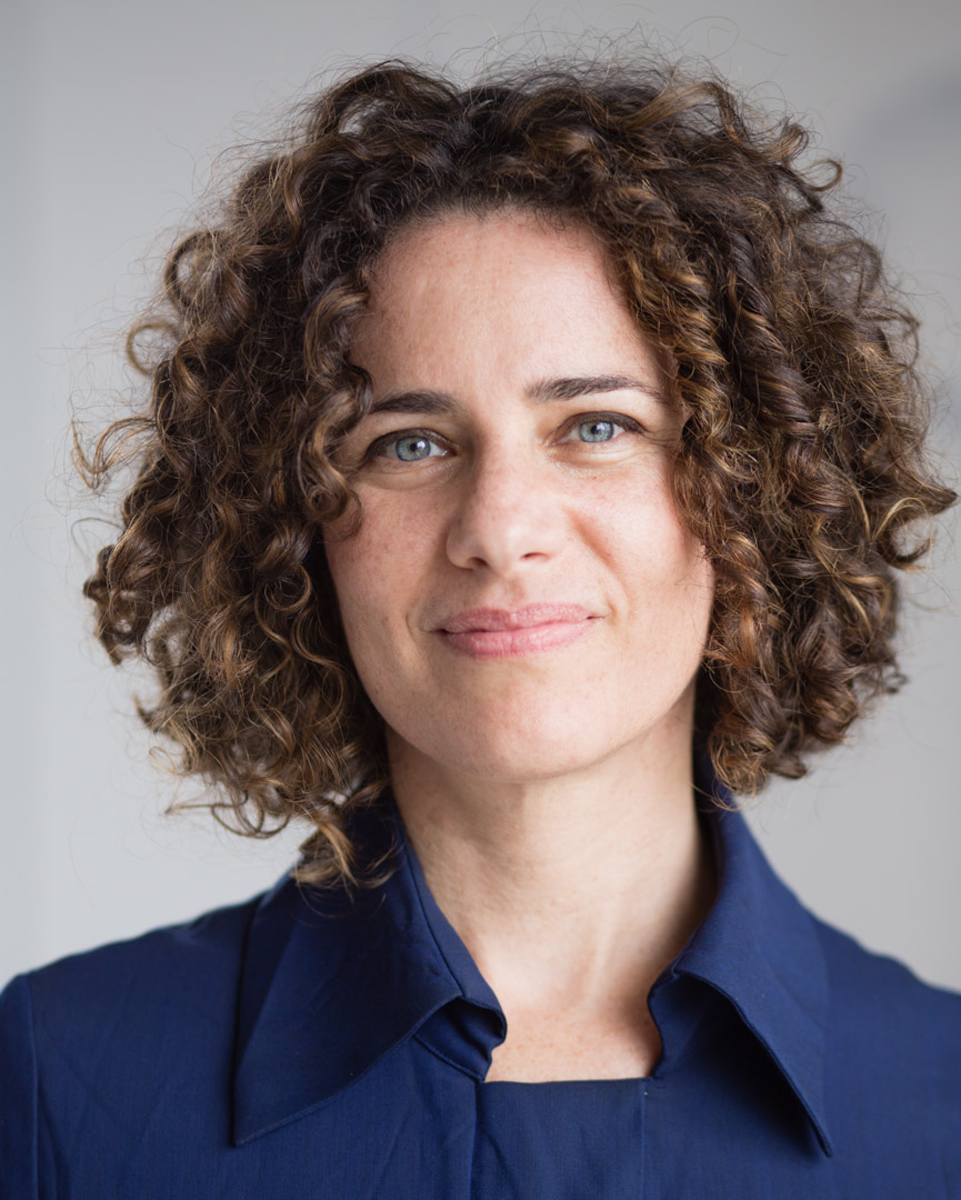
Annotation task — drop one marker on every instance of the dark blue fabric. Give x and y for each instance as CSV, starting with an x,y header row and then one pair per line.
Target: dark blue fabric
x,y
320,1045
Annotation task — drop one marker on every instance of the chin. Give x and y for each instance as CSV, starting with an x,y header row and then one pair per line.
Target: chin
x,y
520,753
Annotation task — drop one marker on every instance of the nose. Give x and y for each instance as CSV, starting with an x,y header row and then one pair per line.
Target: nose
x,y
508,514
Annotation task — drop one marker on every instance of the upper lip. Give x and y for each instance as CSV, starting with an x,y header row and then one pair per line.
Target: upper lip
x,y
491,619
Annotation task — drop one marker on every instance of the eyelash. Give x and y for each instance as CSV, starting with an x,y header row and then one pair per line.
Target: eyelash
x,y
618,419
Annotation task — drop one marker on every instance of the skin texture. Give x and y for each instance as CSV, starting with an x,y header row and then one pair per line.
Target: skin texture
x,y
548,795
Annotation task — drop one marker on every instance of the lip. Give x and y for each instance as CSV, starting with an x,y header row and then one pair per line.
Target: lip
x,y
500,633
490,620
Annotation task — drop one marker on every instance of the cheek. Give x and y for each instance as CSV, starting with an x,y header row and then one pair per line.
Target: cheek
x,y
667,579
374,570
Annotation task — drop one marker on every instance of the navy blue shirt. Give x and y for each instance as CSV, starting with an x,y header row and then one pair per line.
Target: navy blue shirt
x,y
307,1045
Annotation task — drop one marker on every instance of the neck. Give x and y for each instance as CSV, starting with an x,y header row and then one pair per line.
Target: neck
x,y
576,890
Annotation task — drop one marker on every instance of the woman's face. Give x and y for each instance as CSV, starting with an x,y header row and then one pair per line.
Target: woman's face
x,y
518,456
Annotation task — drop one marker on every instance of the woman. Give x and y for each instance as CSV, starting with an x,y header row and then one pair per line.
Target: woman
x,y
525,473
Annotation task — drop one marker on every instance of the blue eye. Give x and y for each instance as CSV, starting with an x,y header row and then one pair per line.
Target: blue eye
x,y
600,430
597,428
419,445
411,447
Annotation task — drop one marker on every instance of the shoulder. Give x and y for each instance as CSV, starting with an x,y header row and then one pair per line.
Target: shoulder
x,y
189,959
172,986
872,992
102,1045
893,1050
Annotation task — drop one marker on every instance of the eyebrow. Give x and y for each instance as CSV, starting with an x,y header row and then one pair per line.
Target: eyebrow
x,y
435,403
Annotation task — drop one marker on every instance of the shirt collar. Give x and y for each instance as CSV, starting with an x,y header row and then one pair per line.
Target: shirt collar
x,y
333,981
759,947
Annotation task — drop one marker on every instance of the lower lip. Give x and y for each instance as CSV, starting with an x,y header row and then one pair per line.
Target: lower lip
x,y
507,643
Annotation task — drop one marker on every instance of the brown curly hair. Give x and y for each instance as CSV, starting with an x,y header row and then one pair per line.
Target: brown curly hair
x,y
800,468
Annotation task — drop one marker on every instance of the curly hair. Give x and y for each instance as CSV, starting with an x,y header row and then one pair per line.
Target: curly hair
x,y
801,467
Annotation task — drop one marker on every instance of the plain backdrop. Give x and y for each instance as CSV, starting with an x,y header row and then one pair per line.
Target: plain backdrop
x,y
112,116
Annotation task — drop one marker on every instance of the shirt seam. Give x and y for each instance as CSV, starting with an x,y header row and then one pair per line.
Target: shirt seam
x,y
473,1139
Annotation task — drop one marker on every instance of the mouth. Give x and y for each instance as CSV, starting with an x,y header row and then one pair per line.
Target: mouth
x,y
490,633
492,620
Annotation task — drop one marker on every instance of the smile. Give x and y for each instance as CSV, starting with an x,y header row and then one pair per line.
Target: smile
x,y
508,643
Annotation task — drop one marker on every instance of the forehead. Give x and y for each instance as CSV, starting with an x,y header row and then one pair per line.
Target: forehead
x,y
512,229
503,290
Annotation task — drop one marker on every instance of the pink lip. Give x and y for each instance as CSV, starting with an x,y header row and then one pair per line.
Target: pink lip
x,y
491,619
498,633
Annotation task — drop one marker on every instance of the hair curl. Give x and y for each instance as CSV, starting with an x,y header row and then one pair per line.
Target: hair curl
x,y
800,469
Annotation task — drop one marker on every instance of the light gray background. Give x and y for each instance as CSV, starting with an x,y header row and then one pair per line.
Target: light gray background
x,y
111,116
